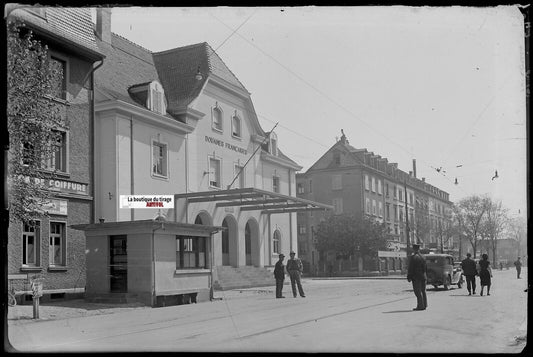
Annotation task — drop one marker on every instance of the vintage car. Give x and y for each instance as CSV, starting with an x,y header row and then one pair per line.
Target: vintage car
x,y
441,270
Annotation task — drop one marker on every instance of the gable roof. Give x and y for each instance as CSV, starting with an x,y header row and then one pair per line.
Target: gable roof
x,y
178,67
69,26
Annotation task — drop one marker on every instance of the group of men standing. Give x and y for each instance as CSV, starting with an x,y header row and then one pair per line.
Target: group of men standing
x,y
295,269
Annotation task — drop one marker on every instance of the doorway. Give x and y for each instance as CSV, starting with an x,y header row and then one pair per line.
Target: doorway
x,y
118,264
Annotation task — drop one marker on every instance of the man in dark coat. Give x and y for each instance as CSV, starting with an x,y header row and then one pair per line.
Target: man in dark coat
x,y
295,268
417,274
279,274
469,271
518,265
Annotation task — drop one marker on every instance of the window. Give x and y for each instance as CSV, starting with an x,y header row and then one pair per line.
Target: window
x,y
336,182
337,204
368,206
387,190
374,208
387,211
276,242
214,173
57,251
380,209
395,193
59,83
379,187
373,185
275,184
217,119
190,252
300,188
159,159
400,195
273,144
236,126
310,186
58,152
28,154
301,229
367,187
31,241
239,181
337,158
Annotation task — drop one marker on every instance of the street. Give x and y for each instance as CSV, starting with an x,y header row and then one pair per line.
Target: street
x,y
338,315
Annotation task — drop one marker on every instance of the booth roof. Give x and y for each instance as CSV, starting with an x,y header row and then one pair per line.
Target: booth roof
x,y
141,226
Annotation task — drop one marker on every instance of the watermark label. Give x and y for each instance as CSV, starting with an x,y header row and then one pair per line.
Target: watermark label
x,y
147,201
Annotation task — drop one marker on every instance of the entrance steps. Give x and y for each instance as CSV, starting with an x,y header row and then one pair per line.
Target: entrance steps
x,y
228,277
113,298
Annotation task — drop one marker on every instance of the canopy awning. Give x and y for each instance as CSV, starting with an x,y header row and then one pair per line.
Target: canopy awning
x,y
253,199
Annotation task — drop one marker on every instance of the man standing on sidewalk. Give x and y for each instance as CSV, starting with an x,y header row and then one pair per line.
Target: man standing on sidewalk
x,y
518,265
295,268
469,271
279,274
417,274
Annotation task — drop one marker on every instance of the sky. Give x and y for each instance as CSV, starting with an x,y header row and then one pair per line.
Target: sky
x,y
442,85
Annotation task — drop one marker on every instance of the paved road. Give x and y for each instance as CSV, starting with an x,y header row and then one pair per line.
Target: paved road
x,y
359,315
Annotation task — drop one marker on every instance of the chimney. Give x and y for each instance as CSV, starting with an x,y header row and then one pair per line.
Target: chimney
x,y
414,168
103,24
423,179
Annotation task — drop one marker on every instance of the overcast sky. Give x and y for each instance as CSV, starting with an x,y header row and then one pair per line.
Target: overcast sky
x,y
444,86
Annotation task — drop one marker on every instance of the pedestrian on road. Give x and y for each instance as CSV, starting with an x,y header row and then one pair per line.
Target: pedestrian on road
x,y
485,273
295,268
416,272
469,271
518,265
279,274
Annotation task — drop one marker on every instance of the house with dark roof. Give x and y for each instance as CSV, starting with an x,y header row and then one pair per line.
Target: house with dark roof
x,y
359,182
180,123
48,248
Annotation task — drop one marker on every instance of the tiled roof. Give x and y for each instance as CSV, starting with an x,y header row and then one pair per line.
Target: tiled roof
x,y
126,65
72,25
177,69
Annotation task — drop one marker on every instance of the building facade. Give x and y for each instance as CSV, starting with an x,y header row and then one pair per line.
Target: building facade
x,y
180,123
48,248
359,182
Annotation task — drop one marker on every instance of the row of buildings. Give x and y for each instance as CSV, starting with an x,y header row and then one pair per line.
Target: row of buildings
x,y
180,123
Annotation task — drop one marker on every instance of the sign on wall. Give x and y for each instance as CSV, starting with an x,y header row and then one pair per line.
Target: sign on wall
x,y
61,185
389,254
56,207
147,201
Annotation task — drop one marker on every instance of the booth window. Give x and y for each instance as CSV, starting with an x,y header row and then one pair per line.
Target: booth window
x,y
31,241
190,252
57,251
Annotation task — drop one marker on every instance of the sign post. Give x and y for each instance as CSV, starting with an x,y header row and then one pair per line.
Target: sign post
x,y
37,290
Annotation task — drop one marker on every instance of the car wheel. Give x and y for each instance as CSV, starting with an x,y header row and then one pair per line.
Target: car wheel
x,y
459,284
447,283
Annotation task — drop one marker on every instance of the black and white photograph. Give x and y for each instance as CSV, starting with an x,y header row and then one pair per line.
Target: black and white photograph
x,y
299,179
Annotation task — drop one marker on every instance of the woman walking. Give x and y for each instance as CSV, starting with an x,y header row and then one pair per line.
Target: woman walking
x,y
485,273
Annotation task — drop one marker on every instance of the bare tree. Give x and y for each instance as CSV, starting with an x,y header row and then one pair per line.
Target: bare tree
x,y
469,213
517,231
494,225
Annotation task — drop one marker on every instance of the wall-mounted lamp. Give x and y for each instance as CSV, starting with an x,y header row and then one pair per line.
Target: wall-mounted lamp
x,y
198,75
110,195
102,219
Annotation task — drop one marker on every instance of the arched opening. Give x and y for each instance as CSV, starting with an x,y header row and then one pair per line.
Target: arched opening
x,y
251,239
248,243
229,242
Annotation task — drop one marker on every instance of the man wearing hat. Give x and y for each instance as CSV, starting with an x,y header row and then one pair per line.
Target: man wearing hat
x,y
417,274
469,271
295,268
279,274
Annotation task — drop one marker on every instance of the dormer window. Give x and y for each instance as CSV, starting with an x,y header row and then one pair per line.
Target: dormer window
x,y
156,98
273,144
236,126
217,123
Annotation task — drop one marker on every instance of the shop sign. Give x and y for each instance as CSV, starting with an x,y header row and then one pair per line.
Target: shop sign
x,y
56,207
63,186
147,201
226,145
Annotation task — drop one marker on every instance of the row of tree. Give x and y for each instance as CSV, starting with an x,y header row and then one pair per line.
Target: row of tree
x,y
480,220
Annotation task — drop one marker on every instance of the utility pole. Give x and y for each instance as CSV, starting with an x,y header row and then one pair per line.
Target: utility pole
x,y
407,220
